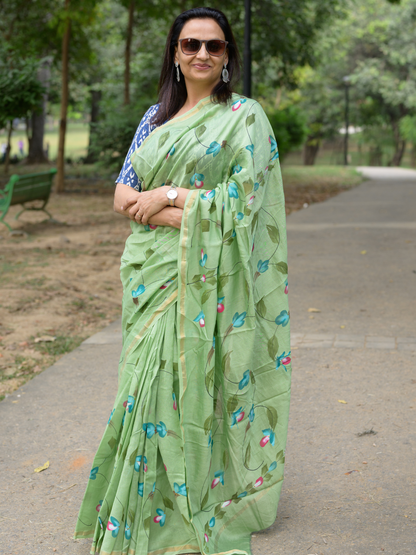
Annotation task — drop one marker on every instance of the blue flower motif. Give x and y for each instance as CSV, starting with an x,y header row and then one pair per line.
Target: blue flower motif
x,y
275,157
203,259
238,319
233,234
138,461
283,360
250,148
93,473
214,148
237,416
161,429
220,474
111,416
256,185
114,526
130,403
200,315
240,216
272,466
150,429
213,342
251,414
180,490
273,144
211,523
243,494
210,441
138,291
236,169
171,151
140,489
127,532
244,381
282,319
262,266
269,432
198,180
208,195
160,518
232,190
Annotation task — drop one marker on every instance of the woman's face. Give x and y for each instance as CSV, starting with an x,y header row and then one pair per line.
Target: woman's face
x,y
201,67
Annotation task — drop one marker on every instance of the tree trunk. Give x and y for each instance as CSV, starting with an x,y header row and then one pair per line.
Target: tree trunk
x,y
310,151
400,144
8,148
60,182
36,152
375,156
95,114
127,54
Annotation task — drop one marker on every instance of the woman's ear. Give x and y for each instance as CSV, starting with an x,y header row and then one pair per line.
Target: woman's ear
x,y
175,56
226,57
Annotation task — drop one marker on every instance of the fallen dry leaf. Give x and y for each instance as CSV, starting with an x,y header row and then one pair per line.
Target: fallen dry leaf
x,y
313,310
363,252
40,468
342,327
343,402
45,339
350,472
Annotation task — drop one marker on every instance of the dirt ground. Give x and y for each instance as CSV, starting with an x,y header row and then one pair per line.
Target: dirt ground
x,y
60,283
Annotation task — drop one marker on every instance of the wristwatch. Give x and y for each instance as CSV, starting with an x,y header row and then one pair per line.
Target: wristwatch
x,y
172,194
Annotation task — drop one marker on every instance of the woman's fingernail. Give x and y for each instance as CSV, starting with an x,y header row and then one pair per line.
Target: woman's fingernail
x,y
121,208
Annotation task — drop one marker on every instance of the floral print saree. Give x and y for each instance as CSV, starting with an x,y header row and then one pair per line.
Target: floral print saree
x,y
191,460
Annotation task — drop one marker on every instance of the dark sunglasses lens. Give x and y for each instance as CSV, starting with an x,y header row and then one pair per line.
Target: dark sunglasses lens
x,y
190,46
216,47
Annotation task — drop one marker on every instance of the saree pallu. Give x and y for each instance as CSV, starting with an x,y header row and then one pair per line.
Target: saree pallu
x,y
192,457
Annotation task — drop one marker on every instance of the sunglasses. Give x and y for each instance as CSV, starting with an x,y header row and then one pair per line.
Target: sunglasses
x,y
215,47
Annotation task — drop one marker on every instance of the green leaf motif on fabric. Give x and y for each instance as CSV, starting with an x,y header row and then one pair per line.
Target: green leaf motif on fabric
x,y
220,515
247,288
163,139
212,280
217,509
273,233
208,421
205,499
267,477
200,131
254,221
209,532
232,404
206,295
149,253
282,267
260,176
273,347
247,456
222,282
226,363
227,235
211,272
112,442
252,378
205,225
264,469
248,186
132,515
162,364
190,165
272,416
212,208
280,457
187,523
175,366
132,458
198,285
168,503
261,308
146,523
251,119
247,211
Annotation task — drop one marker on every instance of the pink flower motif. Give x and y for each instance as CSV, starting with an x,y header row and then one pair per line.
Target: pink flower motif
x,y
236,106
250,201
258,482
252,248
215,482
220,307
202,322
270,140
152,226
226,503
125,403
286,360
287,289
203,279
165,465
264,441
206,538
98,507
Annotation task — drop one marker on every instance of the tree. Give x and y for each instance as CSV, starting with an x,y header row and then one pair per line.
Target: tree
x,y
20,93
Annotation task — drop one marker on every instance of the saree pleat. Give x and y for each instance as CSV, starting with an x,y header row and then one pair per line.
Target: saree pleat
x,y
193,454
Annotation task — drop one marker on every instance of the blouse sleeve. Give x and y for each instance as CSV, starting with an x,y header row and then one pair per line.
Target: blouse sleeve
x,y
127,175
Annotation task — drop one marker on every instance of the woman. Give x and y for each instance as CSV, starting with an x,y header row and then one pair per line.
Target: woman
x,y
192,458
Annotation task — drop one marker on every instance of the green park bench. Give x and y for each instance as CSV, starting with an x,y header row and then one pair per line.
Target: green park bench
x,y
26,188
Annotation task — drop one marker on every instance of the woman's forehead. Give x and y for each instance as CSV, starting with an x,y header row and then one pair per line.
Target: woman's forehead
x,y
202,29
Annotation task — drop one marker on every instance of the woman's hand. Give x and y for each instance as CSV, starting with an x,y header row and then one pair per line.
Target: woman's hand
x,y
168,216
146,204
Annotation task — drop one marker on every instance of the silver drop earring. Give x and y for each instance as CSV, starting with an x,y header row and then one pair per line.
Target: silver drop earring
x,y
178,75
225,74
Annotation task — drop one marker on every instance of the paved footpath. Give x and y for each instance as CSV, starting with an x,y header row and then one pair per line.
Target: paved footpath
x,y
353,261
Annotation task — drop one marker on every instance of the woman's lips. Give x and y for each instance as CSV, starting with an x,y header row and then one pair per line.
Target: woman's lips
x,y
201,66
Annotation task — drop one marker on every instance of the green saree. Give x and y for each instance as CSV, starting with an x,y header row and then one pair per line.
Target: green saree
x,y
192,457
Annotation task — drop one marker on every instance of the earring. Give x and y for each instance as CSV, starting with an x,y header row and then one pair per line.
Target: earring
x,y
225,74
178,75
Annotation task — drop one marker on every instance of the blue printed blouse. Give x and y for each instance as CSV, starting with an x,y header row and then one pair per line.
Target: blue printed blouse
x,y
127,175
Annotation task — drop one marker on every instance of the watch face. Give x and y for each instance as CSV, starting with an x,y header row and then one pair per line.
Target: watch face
x,y
172,194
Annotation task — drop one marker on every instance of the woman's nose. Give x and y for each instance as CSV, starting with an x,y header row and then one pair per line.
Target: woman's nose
x,y
203,52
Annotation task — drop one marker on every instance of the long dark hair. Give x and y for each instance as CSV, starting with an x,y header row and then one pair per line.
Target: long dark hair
x,y
172,93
